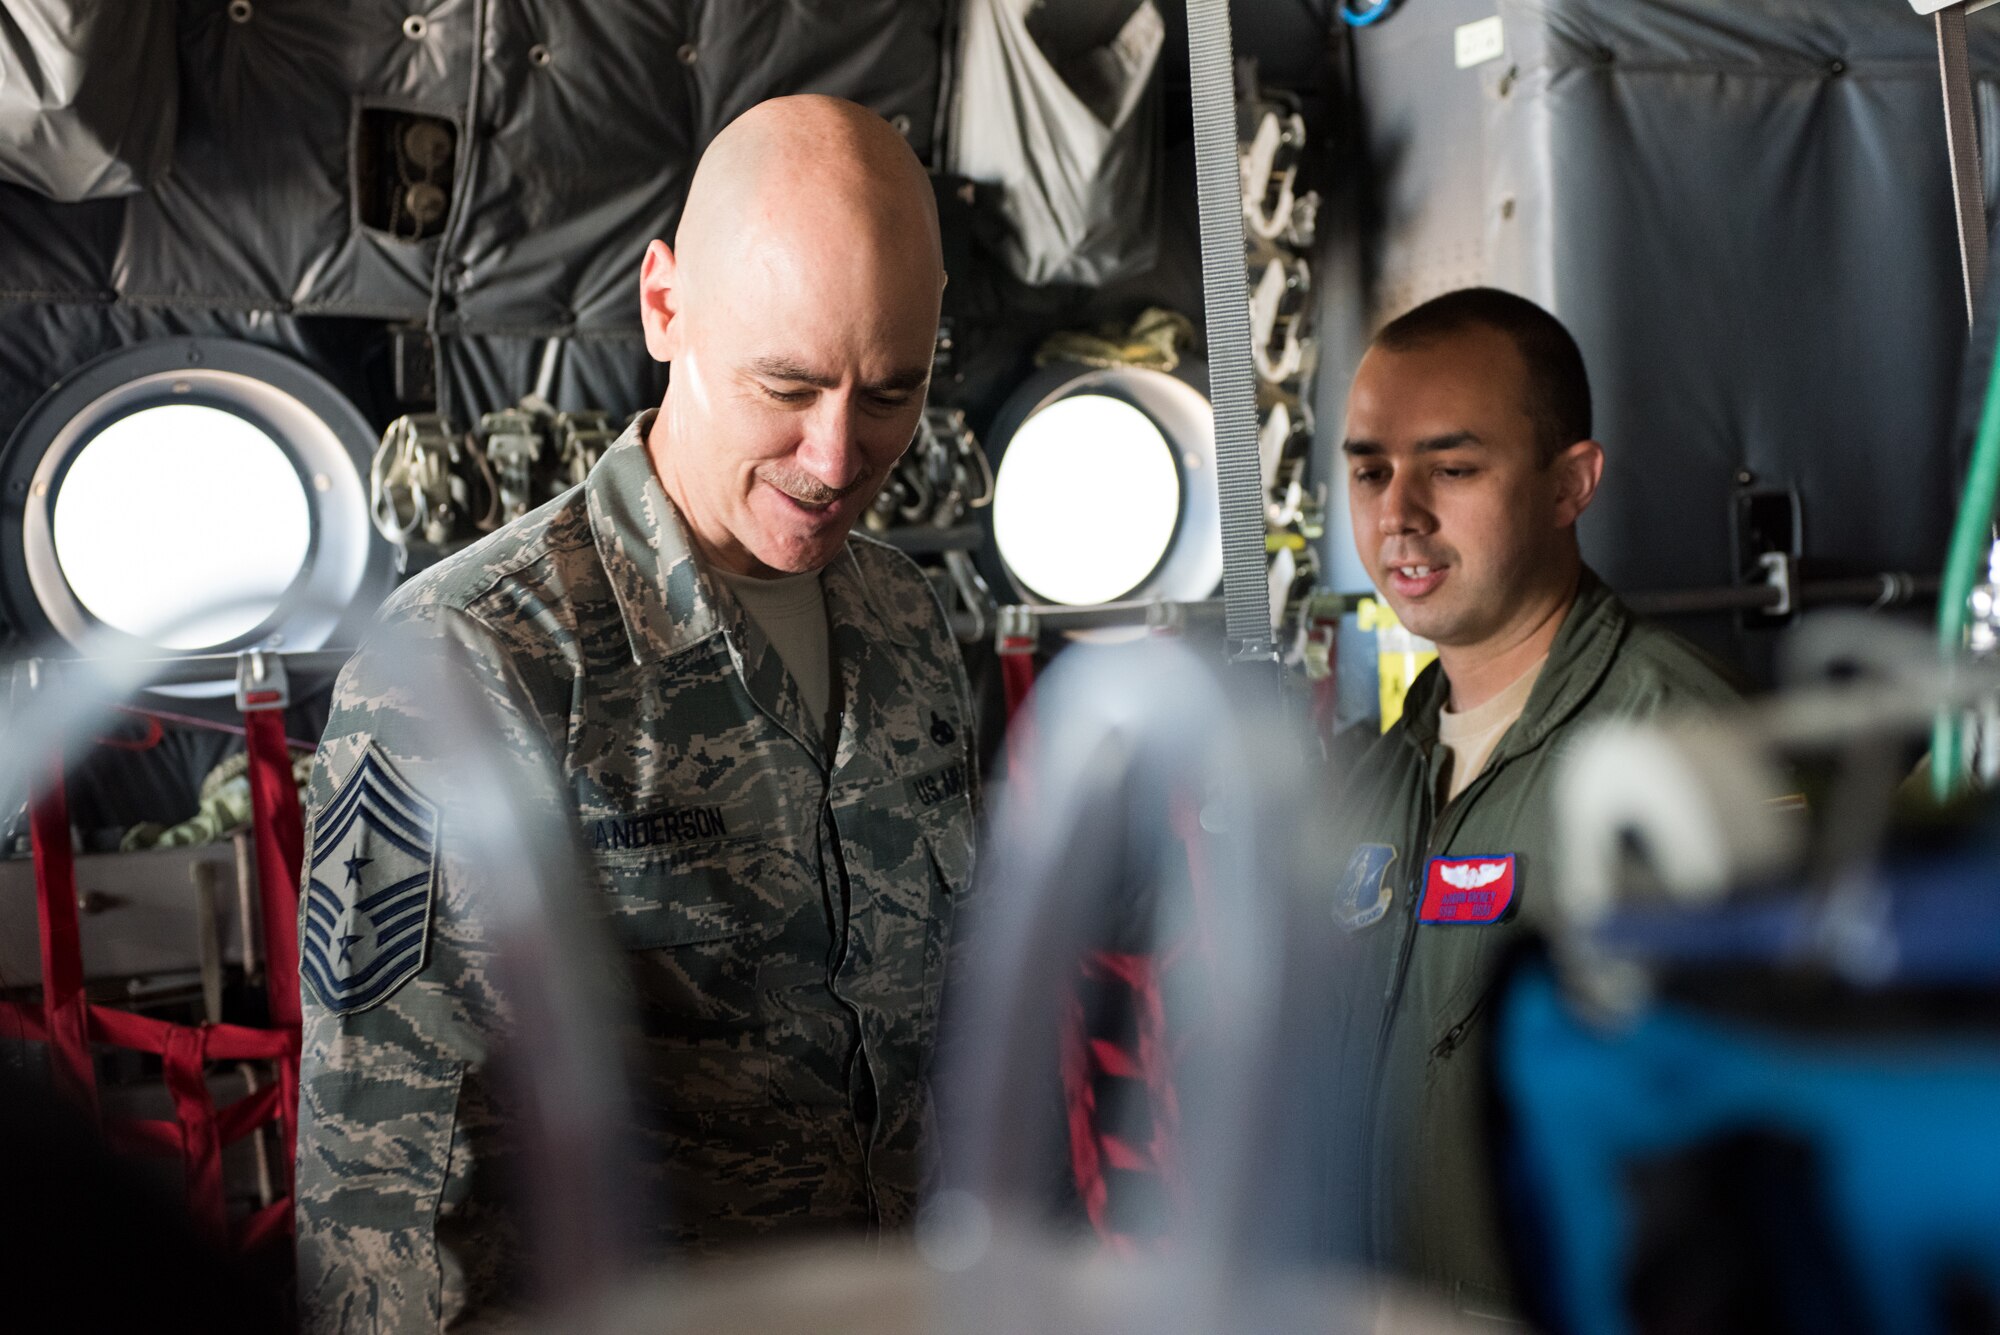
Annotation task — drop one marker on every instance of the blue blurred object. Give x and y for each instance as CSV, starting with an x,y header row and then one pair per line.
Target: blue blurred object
x,y
1767,1144
1936,925
1370,13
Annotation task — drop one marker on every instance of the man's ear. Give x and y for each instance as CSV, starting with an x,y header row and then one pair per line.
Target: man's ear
x,y
659,300
1578,470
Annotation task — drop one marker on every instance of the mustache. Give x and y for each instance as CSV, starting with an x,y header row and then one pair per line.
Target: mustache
x,y
1408,557
801,486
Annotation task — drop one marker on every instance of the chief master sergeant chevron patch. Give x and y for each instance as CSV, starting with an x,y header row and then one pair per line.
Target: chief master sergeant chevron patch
x,y
370,877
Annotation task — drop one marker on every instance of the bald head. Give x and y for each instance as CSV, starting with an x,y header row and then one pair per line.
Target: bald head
x,y
798,306
804,168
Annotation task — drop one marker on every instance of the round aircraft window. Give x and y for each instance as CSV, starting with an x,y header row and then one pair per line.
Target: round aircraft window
x,y
181,524
1087,500
1105,488
190,496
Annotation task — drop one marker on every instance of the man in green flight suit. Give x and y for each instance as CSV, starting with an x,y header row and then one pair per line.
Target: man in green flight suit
x,y
753,724
1470,460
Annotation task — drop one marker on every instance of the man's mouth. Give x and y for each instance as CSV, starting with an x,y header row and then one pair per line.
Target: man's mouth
x,y
1415,580
813,509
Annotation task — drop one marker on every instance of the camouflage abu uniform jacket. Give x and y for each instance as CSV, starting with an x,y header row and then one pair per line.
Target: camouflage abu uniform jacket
x,y
784,897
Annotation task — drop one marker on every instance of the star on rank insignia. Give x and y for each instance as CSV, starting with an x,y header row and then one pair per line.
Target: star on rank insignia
x,y
370,877
1364,892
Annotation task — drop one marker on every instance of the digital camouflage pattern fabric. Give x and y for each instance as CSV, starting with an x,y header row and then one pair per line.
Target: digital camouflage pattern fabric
x,y
784,894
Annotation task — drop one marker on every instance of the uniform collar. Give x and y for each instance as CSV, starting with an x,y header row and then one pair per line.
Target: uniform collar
x,y
852,599
669,603
864,621
665,601
1591,632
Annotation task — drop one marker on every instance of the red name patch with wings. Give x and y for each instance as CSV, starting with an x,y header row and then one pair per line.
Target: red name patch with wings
x,y
1472,892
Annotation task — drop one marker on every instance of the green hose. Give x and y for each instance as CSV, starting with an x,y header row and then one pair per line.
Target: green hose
x,y
1971,538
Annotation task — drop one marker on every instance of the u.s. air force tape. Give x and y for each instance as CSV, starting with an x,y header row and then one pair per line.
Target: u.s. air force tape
x,y
937,786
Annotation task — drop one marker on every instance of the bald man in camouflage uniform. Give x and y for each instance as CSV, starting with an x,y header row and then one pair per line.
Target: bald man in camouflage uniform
x,y
777,832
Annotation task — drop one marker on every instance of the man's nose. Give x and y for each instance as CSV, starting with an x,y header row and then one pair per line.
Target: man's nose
x,y
831,449
1405,509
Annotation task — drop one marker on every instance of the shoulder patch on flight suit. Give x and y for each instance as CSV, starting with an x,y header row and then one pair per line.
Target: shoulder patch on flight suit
x,y
371,875
1363,894
1474,892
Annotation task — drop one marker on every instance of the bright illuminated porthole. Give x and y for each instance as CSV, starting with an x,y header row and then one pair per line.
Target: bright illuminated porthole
x,y
182,525
1087,500
1106,489
191,496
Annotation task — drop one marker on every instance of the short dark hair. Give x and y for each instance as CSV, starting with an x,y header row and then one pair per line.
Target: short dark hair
x,y
1558,387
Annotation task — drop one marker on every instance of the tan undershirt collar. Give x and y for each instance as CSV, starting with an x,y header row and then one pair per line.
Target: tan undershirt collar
x,y
1469,738
791,610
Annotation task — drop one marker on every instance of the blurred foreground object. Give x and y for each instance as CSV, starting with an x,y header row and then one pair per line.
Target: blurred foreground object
x,y
93,1244
893,1291
1151,810
1753,1082
1161,817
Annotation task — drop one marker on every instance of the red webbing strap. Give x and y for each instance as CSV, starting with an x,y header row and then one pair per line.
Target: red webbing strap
x,y
142,1033
68,1023
245,1115
64,1010
1148,1062
161,1140
1017,681
23,1024
280,838
1087,1060
201,1147
271,1224
281,843
1138,982
225,1042
1086,1163
1017,674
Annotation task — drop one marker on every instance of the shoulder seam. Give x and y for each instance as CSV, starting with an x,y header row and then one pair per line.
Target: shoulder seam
x,y
538,552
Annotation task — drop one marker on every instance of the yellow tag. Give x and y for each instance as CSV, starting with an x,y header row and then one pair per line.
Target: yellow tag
x,y
1399,655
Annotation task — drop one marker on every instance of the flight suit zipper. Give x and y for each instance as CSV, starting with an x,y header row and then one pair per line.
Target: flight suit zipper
x,y
1434,830
1378,1223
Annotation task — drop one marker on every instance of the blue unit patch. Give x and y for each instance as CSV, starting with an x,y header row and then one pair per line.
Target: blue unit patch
x,y
369,882
1362,897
